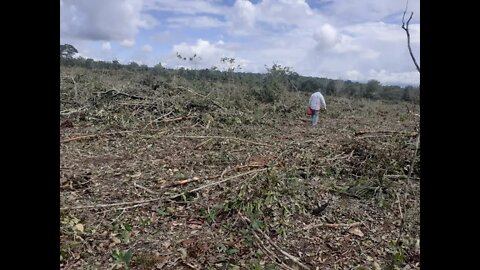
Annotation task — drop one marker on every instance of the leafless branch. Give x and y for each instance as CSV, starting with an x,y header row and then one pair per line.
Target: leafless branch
x,y
405,27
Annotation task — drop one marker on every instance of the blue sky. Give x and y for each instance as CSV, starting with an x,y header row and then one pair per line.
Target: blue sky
x,y
353,40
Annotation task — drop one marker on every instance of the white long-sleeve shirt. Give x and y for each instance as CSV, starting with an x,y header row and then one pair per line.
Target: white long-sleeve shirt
x,y
317,101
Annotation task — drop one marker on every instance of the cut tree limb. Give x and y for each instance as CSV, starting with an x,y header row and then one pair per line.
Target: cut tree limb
x,y
176,119
75,90
218,182
69,112
91,136
269,253
110,204
395,176
291,257
229,169
292,84
220,137
182,182
411,111
133,206
158,199
329,225
157,119
202,143
362,132
118,93
286,254
144,188
200,95
412,163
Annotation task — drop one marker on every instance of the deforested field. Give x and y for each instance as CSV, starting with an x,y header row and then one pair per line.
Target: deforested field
x,y
164,172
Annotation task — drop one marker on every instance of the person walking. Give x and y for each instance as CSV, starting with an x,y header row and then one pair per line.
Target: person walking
x,y
316,103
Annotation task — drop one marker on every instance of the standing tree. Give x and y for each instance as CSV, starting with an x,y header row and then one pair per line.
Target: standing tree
x,y
351,90
309,85
230,64
275,83
407,94
67,51
372,88
195,59
116,64
133,66
330,89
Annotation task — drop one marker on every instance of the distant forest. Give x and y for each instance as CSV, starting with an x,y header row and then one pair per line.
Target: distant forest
x,y
276,76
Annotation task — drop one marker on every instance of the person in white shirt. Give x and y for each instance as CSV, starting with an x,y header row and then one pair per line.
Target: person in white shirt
x,y
316,103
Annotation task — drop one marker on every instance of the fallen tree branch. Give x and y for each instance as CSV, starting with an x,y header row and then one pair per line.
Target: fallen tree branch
x,y
229,169
141,103
157,119
118,93
340,156
79,138
411,111
293,85
358,133
346,193
202,143
415,114
305,119
69,112
158,199
182,182
191,91
200,95
412,163
399,206
270,253
218,182
175,119
329,225
144,188
110,204
75,90
189,265
225,171
374,136
291,257
400,229
91,136
220,137
133,206
395,176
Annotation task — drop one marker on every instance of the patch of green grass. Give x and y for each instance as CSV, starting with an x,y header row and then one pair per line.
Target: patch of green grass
x,y
122,258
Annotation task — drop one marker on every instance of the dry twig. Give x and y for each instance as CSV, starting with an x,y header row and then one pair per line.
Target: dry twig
x,y
291,257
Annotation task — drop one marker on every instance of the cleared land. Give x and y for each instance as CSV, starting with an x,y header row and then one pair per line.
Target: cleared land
x,y
180,178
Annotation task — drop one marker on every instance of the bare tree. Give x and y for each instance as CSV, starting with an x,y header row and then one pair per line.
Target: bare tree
x,y
405,27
